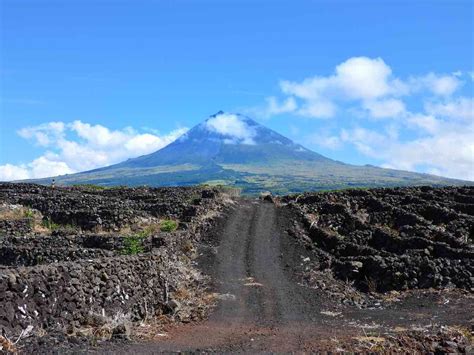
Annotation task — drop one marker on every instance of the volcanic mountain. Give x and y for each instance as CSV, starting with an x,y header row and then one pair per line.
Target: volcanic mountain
x,y
232,149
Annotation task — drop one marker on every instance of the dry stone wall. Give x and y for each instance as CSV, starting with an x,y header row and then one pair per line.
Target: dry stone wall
x,y
70,293
65,279
109,209
392,239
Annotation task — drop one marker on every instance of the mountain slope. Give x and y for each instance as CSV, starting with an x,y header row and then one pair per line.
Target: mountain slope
x,y
235,150
226,138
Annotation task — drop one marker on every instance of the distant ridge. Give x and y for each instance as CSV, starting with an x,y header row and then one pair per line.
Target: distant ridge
x,y
234,150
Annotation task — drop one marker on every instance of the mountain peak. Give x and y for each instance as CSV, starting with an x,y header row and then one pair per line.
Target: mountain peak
x,y
234,128
232,116
228,138
230,128
220,112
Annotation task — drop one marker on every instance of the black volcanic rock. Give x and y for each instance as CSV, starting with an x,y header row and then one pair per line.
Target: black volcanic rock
x,y
393,239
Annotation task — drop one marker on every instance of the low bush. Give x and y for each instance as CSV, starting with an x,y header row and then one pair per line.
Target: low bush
x,y
28,213
168,225
133,244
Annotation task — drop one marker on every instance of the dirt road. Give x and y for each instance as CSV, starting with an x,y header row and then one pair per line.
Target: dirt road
x,y
263,307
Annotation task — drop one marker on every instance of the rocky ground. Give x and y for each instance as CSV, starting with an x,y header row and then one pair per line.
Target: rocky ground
x,y
382,270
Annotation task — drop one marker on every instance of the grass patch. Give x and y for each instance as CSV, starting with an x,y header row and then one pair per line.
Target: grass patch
x,y
150,230
133,244
28,213
168,225
91,187
64,228
16,212
49,224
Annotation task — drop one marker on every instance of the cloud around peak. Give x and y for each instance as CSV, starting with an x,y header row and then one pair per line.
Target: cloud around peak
x,y
233,127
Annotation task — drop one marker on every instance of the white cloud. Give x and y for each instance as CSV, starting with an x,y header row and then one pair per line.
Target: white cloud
x,y
451,153
460,108
368,82
363,78
232,126
326,141
444,141
93,146
318,108
100,136
44,134
10,172
357,79
42,167
427,123
276,108
433,130
442,85
366,141
445,148
384,108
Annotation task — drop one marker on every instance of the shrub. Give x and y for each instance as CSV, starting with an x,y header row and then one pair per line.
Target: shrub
x,y
28,213
133,244
168,225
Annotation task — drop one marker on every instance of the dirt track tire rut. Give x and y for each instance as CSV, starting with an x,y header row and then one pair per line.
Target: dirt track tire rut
x,y
250,268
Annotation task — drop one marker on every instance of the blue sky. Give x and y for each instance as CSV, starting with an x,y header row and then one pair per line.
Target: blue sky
x,y
89,83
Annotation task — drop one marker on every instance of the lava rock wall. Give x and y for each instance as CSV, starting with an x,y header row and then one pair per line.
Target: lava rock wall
x,y
392,239
108,209
61,279
69,294
16,227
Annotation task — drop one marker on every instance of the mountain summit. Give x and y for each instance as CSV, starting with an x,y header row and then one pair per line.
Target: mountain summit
x,y
234,150
226,139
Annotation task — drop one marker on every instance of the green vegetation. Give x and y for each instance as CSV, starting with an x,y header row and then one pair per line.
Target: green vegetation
x,y
91,186
28,213
168,225
344,189
48,223
280,177
65,228
133,244
149,230
95,187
